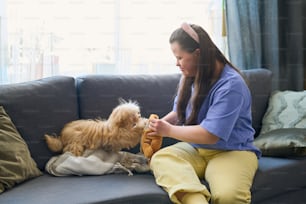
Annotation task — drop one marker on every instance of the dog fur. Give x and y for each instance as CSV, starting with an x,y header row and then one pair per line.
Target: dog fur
x,y
123,129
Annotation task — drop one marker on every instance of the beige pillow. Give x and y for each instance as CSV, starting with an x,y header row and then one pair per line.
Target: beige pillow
x,y
16,163
287,109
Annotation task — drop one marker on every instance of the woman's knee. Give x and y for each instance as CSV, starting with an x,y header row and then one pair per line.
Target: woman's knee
x,y
160,157
231,196
176,153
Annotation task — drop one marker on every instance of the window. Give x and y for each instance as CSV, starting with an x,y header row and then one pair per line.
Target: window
x,y
77,37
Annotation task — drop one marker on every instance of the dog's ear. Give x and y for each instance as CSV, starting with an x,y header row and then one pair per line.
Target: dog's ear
x,y
119,118
124,118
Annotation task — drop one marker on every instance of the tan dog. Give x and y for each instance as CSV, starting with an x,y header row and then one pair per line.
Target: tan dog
x,y
123,129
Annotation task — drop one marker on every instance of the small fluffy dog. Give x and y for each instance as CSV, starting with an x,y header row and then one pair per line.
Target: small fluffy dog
x,y
123,129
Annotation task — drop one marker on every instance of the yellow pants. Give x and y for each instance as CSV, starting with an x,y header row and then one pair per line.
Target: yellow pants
x,y
179,168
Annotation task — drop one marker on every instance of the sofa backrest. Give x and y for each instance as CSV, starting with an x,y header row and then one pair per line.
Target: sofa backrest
x,y
260,84
45,106
98,94
40,107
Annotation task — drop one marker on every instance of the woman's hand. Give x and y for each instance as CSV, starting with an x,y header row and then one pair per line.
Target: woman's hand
x,y
159,127
192,133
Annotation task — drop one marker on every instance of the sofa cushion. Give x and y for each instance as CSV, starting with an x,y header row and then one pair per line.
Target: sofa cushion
x,y
110,189
286,110
296,196
284,142
16,163
278,176
40,107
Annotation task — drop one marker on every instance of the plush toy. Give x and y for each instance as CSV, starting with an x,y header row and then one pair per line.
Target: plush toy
x,y
150,144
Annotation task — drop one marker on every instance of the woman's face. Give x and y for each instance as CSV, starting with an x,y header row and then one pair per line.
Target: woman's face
x,y
187,62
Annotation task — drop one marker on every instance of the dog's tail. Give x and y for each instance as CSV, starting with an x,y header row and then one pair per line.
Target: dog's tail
x,y
54,143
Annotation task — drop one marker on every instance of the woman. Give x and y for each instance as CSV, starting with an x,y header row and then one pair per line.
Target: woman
x,y
212,118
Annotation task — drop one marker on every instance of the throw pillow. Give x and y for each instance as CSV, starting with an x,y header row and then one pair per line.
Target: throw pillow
x,y
286,110
16,163
282,142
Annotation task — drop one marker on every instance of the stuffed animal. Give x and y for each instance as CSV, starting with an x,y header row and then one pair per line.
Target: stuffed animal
x,y
150,144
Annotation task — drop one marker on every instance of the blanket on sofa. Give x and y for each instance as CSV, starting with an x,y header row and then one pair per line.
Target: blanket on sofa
x,y
97,162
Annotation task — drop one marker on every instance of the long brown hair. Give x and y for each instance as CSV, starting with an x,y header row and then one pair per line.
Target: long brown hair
x,y
203,80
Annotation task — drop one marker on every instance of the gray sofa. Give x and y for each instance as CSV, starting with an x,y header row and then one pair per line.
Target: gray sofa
x,y
44,106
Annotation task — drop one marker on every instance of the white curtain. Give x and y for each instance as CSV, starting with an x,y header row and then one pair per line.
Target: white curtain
x,y
74,38
3,42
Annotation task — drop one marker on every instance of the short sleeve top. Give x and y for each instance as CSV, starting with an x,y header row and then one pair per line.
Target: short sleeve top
x,y
226,113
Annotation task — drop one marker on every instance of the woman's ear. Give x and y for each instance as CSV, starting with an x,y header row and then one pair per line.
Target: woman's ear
x,y
197,52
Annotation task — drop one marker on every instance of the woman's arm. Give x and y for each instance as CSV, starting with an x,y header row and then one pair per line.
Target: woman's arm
x,y
193,133
171,118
